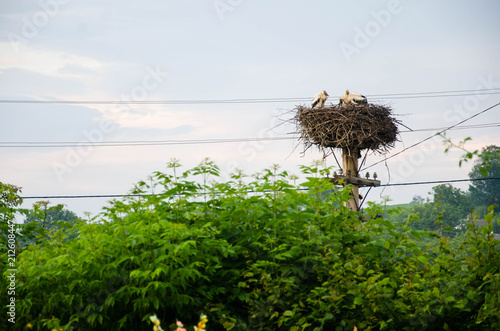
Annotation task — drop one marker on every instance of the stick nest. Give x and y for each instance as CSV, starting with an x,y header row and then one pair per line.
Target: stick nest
x,y
366,126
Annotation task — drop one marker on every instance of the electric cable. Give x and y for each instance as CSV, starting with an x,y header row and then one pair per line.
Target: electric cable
x,y
407,95
145,195
430,137
59,144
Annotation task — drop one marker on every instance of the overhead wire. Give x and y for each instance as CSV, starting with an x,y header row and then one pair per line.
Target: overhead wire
x,y
207,141
121,143
146,195
462,127
407,95
48,144
430,137
410,95
442,181
135,143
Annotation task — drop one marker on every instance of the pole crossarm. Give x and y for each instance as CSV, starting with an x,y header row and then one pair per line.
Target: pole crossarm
x,y
357,181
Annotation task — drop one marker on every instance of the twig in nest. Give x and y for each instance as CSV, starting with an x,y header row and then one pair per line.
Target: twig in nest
x,y
366,126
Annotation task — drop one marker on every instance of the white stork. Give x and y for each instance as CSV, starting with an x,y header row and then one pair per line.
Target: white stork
x,y
352,98
319,99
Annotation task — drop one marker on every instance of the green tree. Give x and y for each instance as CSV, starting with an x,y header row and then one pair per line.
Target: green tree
x,y
42,219
48,217
452,203
448,207
417,199
9,200
486,192
446,193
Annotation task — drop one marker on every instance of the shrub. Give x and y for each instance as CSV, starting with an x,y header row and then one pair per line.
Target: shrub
x,y
254,253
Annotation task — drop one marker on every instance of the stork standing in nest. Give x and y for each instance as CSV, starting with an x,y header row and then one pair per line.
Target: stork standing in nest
x,y
352,98
320,99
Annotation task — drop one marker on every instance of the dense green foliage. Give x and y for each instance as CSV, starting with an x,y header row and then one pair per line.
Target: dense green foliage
x,y
48,217
447,210
254,253
41,220
450,208
447,213
9,200
485,193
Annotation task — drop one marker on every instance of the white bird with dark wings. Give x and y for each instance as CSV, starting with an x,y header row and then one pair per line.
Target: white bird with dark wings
x,y
319,99
352,98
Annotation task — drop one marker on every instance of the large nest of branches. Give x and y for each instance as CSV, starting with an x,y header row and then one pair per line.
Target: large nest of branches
x,y
365,126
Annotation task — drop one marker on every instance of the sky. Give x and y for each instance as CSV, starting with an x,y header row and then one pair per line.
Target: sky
x,y
139,51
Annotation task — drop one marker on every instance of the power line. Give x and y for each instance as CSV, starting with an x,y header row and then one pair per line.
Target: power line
x,y
463,127
121,143
55,144
148,195
430,137
408,95
442,181
85,196
437,92
439,96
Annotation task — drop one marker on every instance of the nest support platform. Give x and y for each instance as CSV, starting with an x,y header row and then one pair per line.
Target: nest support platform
x,y
348,127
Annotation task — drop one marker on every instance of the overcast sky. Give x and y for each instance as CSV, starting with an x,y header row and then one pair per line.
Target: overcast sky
x,y
190,50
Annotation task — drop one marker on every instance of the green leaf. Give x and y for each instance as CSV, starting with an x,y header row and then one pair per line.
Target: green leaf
x,y
423,259
358,301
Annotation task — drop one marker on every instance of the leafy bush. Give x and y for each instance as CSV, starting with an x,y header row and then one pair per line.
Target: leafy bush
x,y
254,253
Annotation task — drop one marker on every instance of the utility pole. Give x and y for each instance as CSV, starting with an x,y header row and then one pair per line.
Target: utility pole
x,y
350,176
352,127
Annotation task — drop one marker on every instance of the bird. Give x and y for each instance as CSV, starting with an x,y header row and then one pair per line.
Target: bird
x,y
352,98
319,99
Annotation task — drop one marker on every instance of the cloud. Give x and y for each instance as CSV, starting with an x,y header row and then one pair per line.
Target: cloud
x,y
45,122
44,61
18,82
